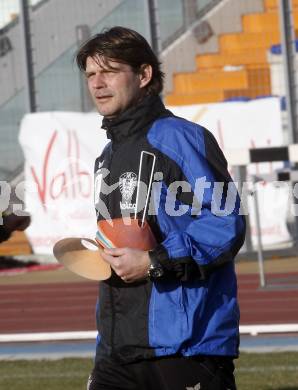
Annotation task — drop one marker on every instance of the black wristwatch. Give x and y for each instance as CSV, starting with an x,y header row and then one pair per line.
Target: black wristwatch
x,y
155,270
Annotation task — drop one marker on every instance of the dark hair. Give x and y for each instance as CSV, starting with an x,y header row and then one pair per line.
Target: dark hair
x,y
124,45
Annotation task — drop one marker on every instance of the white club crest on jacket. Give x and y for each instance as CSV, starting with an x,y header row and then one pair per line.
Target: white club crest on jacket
x,y
127,185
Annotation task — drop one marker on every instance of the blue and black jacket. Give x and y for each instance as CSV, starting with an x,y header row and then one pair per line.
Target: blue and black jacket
x,y
192,309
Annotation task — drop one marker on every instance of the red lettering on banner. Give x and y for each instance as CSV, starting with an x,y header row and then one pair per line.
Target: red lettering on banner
x,y
42,188
63,186
71,182
81,174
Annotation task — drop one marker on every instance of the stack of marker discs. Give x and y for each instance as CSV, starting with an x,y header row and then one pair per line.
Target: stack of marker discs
x,y
83,255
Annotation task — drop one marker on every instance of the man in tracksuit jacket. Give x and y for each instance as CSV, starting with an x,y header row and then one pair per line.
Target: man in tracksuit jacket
x,y
167,318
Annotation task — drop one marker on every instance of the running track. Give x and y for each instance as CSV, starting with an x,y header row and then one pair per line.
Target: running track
x,y
70,306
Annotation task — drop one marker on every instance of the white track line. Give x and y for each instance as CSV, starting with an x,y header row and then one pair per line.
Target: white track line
x,y
274,328
49,336
91,334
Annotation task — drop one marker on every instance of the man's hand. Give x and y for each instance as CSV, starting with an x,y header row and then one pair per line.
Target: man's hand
x,y
129,264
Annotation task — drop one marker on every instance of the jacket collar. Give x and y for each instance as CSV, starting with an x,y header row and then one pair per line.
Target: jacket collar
x,y
135,119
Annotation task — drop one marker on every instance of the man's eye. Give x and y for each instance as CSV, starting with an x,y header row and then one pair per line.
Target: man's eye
x,y
111,70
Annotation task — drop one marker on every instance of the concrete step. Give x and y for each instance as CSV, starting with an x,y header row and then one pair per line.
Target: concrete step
x,y
263,22
246,41
205,80
260,22
185,83
252,88
257,57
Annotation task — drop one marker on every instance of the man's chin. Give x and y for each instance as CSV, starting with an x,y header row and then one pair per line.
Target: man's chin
x,y
107,113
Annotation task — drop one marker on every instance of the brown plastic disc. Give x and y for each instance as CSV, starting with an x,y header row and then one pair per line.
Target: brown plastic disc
x,y
74,254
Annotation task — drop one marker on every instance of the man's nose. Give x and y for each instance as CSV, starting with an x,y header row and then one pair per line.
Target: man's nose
x,y
99,81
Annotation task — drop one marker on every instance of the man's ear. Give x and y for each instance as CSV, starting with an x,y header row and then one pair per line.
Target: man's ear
x,y
145,75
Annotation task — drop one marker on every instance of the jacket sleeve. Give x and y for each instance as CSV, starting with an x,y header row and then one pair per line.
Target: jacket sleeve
x,y
214,231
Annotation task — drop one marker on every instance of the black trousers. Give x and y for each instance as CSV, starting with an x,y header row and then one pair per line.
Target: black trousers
x,y
170,373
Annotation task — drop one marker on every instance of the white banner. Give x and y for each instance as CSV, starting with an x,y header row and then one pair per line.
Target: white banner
x,y
60,149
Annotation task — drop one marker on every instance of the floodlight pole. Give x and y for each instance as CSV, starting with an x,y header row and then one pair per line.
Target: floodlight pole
x,y
154,26
28,57
82,35
288,46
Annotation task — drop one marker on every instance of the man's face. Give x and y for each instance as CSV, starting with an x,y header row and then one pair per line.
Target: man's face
x,y
114,86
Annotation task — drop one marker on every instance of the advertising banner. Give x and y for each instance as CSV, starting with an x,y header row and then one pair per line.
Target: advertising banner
x,y
60,149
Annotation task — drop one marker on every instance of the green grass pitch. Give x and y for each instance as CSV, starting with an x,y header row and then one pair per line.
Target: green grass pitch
x,y
274,371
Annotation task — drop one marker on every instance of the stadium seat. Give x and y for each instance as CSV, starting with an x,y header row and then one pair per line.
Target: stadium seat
x,y
240,68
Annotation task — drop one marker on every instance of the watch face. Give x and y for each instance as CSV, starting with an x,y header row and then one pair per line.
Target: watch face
x,y
156,272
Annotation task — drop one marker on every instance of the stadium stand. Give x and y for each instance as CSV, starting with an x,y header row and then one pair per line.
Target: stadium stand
x,y
240,68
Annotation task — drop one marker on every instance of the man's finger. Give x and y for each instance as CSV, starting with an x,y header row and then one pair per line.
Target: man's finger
x,y
108,258
115,251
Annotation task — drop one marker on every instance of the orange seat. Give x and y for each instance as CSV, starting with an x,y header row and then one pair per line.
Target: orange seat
x,y
198,81
240,68
260,22
240,41
255,57
272,5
